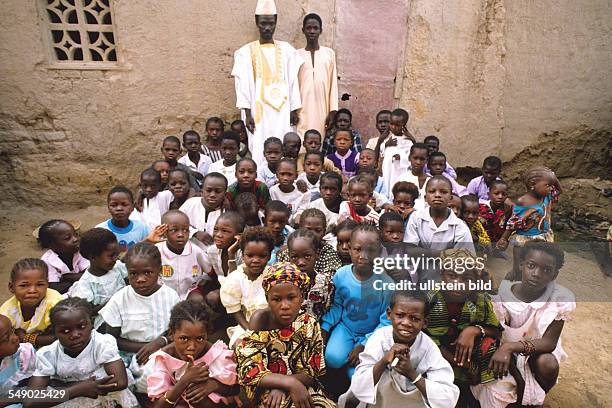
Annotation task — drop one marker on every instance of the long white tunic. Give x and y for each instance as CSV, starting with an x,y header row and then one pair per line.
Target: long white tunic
x,y
266,81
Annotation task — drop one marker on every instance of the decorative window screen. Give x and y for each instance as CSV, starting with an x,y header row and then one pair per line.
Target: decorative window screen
x,y
80,33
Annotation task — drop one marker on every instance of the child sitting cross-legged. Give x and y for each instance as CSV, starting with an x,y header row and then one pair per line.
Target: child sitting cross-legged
x,y
281,360
400,365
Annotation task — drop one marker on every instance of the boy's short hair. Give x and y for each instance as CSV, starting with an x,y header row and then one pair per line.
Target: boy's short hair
x,y
95,241
214,174
367,149
257,234
416,146
345,111
348,131
332,175
417,295
382,112
359,179
401,113
234,218
492,162
179,170
317,153
238,122
469,198
550,248
431,137
246,159
288,160
314,16
121,189
231,135
497,182
170,213
272,140
171,139
434,155
439,177
150,171
276,206
191,133
313,132
406,187
389,216
215,119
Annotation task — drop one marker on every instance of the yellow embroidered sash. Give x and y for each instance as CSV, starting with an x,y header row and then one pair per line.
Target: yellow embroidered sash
x,y
273,89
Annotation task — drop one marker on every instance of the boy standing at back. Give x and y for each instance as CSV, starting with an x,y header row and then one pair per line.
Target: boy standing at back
x,y
227,166
312,141
212,147
433,146
383,118
171,148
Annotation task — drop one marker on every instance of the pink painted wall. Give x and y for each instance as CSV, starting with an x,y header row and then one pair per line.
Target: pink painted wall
x,y
369,43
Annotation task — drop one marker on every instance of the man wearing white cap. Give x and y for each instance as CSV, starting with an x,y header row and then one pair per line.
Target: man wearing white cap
x,y
267,86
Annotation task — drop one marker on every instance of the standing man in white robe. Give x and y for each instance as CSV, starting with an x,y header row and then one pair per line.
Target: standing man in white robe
x,y
318,80
266,80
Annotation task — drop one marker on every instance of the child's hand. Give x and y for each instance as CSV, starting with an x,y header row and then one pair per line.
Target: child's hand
x,y
92,388
145,351
196,373
233,249
500,362
391,142
204,237
391,208
407,212
464,345
502,244
404,366
158,234
396,350
300,396
139,202
197,392
275,398
353,356
21,334
301,185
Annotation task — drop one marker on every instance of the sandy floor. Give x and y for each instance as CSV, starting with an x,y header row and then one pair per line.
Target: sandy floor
x,y
583,381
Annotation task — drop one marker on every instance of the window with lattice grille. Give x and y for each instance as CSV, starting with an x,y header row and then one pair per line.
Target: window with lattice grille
x,y
80,33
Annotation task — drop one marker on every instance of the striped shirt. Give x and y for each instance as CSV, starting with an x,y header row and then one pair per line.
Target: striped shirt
x,y
215,155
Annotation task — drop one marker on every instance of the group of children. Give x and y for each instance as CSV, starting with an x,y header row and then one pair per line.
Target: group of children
x,y
283,255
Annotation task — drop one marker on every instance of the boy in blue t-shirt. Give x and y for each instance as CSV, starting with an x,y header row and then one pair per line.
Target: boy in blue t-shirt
x,y
120,203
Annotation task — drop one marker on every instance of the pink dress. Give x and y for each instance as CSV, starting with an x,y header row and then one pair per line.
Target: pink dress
x,y
168,370
528,321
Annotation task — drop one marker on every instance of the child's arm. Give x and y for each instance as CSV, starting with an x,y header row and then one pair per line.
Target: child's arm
x,y
116,370
142,350
195,393
232,251
242,321
500,362
194,375
330,319
464,345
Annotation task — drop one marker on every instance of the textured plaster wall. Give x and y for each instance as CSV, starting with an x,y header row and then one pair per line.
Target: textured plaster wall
x,y
488,76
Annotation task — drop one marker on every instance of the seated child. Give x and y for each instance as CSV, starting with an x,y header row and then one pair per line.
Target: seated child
x,y
312,141
178,184
241,292
227,166
357,308
225,255
456,205
531,215
404,195
469,214
163,168
433,145
342,121
28,309
246,174
313,163
18,360
197,162
273,152
151,202
276,218
532,313
379,201
137,316
330,186
357,208
105,276
343,232
246,205
344,157
369,161
291,145
171,148
494,213
286,190
120,203
462,321
239,127
391,227
436,165
184,265
400,365
437,227
479,186
311,255
64,262
82,361
383,118
214,132
281,361
204,211
191,370
414,174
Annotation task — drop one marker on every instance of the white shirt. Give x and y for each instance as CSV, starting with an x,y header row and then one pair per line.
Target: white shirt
x,y
419,203
141,318
313,189
153,209
228,171
452,233
199,219
330,216
183,272
295,200
265,175
201,167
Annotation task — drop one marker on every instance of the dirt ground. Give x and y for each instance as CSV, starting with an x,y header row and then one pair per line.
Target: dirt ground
x,y
583,381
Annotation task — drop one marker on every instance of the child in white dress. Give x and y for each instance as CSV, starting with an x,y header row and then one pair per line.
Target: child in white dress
x,y
151,203
82,361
